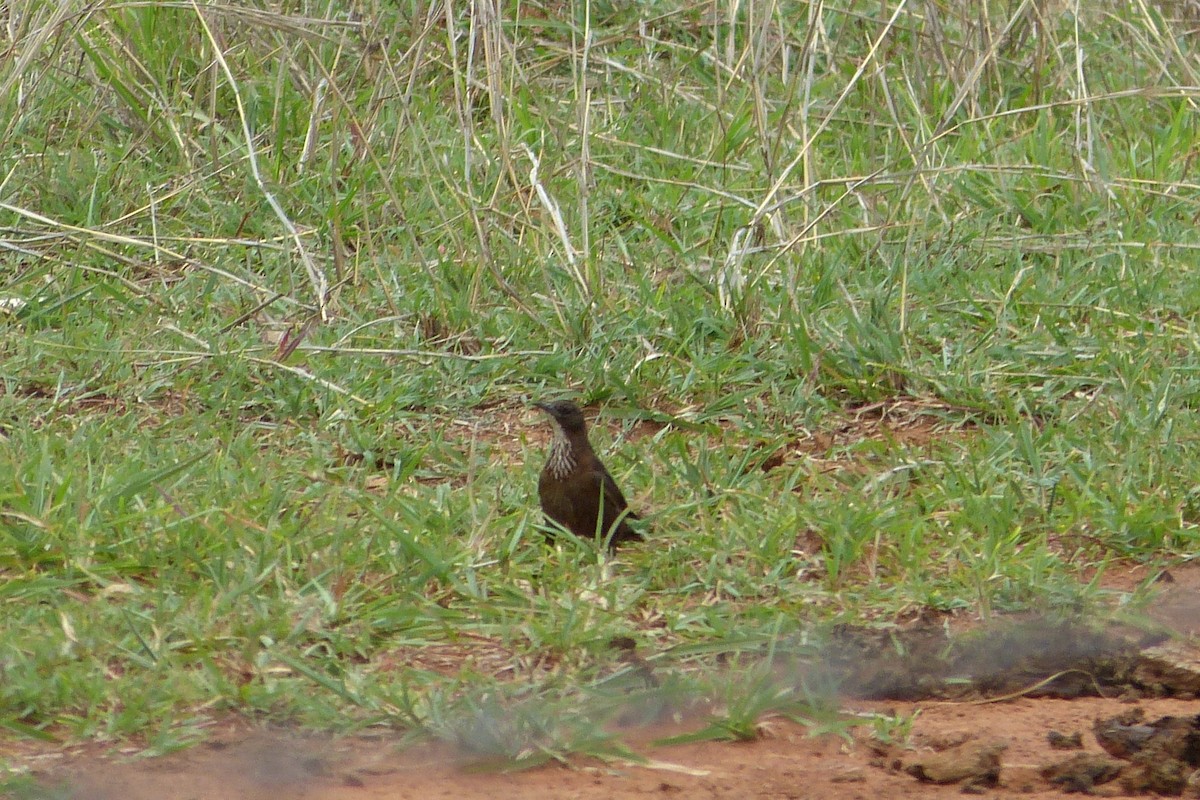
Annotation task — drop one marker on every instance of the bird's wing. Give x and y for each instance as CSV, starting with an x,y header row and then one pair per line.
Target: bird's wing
x,y
613,499
556,504
616,515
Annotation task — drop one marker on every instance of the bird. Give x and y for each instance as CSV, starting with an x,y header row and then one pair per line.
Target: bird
x,y
574,487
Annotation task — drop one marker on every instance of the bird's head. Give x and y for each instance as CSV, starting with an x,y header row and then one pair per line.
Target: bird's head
x,y
565,414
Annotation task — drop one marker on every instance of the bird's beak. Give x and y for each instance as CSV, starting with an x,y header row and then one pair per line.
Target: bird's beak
x,y
542,406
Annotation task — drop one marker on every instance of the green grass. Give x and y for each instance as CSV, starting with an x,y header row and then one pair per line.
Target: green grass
x,y
277,287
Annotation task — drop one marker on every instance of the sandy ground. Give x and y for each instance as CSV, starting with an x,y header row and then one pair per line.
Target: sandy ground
x,y
784,763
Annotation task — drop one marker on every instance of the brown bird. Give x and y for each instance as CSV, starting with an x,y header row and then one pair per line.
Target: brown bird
x,y
575,488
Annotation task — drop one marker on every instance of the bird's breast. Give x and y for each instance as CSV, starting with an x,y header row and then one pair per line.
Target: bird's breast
x,y
561,460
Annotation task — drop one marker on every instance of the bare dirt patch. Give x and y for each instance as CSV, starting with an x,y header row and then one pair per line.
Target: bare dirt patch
x,y
478,653
80,401
914,423
906,421
784,763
